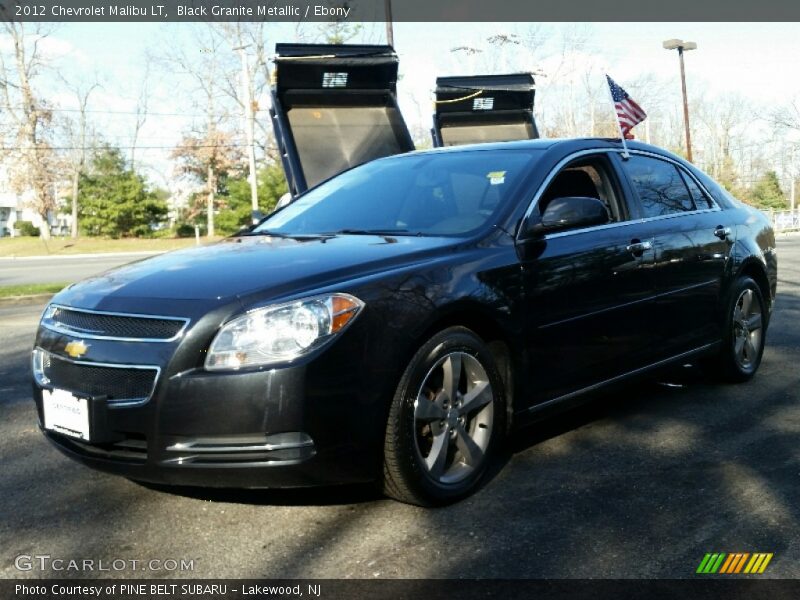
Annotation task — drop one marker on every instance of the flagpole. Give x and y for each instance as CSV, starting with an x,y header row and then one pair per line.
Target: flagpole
x,y
625,154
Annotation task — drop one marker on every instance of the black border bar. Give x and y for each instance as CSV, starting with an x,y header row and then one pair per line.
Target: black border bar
x,y
711,588
402,10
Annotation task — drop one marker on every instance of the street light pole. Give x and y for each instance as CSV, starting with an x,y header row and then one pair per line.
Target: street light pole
x,y
685,107
682,46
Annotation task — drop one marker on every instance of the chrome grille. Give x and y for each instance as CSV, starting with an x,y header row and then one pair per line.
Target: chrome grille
x,y
120,384
106,325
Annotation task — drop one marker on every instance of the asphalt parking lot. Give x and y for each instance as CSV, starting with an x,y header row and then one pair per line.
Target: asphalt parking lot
x,y
639,484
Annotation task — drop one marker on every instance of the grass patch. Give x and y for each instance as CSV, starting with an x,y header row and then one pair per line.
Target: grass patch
x,y
31,246
30,289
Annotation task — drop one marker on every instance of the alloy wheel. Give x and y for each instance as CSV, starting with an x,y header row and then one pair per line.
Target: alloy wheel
x,y
453,417
747,329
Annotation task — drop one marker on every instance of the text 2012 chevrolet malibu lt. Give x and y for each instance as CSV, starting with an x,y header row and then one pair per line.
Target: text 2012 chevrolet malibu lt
x,y
396,322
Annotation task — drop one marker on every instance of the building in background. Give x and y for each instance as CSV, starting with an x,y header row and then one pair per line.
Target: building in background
x,y
15,208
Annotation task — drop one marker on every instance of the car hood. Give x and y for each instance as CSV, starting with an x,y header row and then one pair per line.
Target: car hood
x,y
273,267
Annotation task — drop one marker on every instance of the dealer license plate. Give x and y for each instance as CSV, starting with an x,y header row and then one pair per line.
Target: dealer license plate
x,y
66,413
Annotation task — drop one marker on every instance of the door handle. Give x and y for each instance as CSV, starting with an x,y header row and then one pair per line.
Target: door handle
x,y
722,232
638,247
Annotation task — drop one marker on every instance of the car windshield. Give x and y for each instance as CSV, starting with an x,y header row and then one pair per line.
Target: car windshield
x,y
448,193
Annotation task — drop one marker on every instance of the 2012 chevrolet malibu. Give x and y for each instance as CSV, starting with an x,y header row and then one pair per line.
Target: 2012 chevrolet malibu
x,y
394,323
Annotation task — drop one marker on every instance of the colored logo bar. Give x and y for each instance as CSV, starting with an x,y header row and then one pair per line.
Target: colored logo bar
x,y
734,562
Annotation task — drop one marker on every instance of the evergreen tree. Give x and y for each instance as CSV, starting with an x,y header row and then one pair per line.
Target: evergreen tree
x,y
236,210
114,201
767,192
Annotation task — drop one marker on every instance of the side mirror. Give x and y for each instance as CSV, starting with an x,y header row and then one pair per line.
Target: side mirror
x,y
283,200
571,212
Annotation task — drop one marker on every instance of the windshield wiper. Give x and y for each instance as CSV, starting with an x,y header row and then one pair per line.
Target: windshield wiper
x,y
279,234
263,232
372,232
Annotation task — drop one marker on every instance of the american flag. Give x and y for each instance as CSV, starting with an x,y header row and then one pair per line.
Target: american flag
x,y
628,112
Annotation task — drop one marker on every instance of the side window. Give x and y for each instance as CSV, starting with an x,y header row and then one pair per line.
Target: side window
x,y
584,177
701,201
660,186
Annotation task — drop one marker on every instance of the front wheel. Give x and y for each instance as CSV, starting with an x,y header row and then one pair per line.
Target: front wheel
x,y
446,421
744,332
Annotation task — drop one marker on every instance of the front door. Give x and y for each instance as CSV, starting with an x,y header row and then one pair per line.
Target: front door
x,y
588,292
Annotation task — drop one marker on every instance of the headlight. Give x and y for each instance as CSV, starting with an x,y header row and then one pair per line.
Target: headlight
x,y
281,332
40,362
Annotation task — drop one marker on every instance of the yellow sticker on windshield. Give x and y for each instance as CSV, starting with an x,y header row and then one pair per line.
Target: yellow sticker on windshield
x,y
496,177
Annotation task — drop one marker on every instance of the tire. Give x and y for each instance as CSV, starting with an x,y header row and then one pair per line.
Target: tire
x,y
743,334
437,450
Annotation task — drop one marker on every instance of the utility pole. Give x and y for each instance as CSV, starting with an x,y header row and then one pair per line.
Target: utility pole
x,y
80,163
682,46
76,173
792,177
211,175
247,100
389,27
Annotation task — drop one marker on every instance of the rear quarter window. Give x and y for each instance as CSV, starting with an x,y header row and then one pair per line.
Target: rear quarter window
x,y
701,201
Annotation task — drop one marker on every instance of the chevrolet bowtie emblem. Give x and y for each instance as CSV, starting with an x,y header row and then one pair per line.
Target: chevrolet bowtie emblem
x,y
76,349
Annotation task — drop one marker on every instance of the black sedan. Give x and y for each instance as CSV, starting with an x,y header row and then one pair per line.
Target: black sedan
x,y
396,322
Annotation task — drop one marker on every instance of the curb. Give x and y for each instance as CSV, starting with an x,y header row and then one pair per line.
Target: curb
x,y
18,300
95,255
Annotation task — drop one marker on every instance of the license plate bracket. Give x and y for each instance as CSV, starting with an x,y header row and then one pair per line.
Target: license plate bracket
x,y
99,428
66,413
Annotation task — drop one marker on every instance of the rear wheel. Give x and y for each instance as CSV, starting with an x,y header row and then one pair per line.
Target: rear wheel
x,y
446,421
744,332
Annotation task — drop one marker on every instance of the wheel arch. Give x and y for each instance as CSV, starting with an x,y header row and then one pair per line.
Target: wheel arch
x,y
757,271
500,341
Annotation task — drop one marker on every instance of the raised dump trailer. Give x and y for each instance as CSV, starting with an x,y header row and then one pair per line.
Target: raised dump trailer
x,y
484,108
334,107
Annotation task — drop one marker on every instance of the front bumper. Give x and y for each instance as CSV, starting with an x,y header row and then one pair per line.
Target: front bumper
x,y
305,424
132,461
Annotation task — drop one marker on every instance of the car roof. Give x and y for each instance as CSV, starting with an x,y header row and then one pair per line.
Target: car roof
x,y
547,143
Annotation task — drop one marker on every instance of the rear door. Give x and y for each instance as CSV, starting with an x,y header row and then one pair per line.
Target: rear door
x,y
588,293
691,250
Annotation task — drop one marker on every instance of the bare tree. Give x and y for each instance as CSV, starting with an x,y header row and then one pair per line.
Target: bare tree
x,y
209,158
558,90
140,117
206,70
723,121
787,116
33,165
